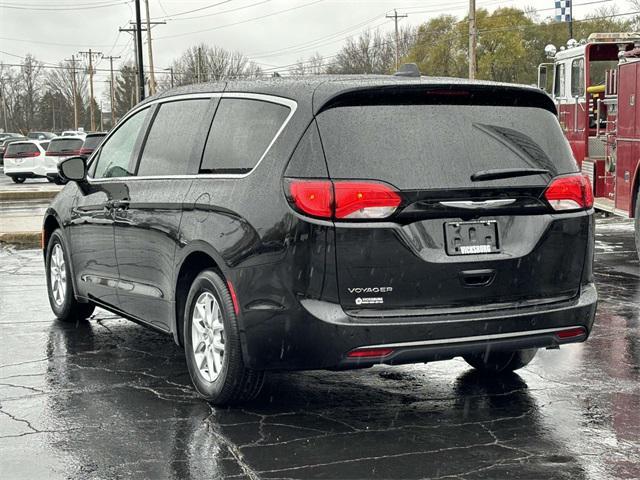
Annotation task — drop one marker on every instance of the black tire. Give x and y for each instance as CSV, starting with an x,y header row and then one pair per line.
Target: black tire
x,y
638,224
66,307
501,362
234,382
51,180
18,179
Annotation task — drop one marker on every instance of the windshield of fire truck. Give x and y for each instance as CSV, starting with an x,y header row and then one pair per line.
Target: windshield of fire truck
x,y
597,70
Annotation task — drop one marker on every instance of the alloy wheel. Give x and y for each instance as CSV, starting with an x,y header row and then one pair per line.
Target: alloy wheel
x,y
58,274
207,336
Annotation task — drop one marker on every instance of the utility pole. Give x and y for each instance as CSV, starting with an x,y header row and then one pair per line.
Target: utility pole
x,y
198,65
152,76
138,34
90,54
395,17
75,90
135,50
4,108
111,90
170,70
473,39
137,40
570,20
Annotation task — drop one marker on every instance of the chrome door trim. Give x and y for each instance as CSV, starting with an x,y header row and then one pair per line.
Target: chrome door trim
x,y
292,104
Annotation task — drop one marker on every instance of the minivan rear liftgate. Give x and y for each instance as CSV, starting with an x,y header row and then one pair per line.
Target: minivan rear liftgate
x,y
448,207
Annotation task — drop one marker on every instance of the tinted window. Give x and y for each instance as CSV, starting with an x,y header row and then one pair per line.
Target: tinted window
x,y
241,132
117,152
173,138
64,145
441,146
18,148
93,141
577,77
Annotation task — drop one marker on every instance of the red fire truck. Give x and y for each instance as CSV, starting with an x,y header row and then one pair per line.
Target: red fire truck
x,y
596,86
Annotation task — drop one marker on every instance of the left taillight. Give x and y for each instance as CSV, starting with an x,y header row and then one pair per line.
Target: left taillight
x,y
570,192
343,199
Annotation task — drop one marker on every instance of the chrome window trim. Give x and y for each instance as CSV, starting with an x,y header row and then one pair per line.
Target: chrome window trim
x,y
475,338
292,104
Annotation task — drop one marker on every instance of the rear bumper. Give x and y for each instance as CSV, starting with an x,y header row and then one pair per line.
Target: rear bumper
x,y
320,335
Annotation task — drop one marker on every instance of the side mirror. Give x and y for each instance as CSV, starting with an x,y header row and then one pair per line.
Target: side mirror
x,y
74,169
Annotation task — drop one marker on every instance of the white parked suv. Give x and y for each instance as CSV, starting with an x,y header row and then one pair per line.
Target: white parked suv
x,y
74,133
24,160
60,148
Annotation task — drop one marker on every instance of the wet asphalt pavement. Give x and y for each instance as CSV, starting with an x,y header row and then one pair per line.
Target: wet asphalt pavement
x,y
110,399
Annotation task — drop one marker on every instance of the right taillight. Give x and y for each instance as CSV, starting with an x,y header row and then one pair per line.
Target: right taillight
x,y
571,192
343,199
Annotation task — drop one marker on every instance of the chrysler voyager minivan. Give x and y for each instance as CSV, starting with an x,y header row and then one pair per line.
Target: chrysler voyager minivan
x,y
331,223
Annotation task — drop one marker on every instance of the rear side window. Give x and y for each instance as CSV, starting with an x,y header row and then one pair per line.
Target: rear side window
x,y
241,132
441,146
173,138
69,145
93,141
19,148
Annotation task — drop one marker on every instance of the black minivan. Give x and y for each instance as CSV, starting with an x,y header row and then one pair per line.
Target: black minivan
x,y
331,223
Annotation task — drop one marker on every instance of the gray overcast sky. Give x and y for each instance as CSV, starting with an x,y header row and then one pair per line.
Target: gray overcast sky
x,y
268,31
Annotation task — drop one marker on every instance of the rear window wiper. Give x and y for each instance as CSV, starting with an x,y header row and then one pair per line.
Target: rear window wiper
x,y
498,173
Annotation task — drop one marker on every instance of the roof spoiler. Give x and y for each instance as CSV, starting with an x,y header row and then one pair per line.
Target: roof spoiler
x,y
441,94
408,70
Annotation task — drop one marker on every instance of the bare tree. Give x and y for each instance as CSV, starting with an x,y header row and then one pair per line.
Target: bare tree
x,y
60,83
369,53
30,79
202,63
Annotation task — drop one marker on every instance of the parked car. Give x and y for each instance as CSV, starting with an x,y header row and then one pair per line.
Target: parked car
x,y
23,159
59,149
331,224
91,142
5,135
40,135
73,133
6,141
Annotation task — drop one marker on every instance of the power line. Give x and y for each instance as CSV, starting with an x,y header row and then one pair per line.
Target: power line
x,y
222,12
62,8
198,9
242,21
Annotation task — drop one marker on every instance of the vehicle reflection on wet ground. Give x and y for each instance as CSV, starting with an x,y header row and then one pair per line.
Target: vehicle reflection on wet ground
x,y
108,399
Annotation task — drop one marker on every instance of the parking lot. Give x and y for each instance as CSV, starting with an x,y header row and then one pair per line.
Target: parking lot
x,y
110,399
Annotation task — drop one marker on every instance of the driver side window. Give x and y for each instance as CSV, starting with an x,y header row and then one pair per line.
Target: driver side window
x,y
115,158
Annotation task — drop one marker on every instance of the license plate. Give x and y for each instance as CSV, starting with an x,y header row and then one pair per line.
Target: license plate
x,y
471,238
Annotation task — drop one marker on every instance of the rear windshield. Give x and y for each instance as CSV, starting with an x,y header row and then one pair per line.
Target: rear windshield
x,y
65,145
441,146
93,141
18,148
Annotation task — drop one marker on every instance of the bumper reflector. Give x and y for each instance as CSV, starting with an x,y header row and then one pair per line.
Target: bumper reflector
x,y
570,333
370,352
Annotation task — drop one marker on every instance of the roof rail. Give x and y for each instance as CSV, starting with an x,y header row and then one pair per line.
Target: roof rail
x,y
408,70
